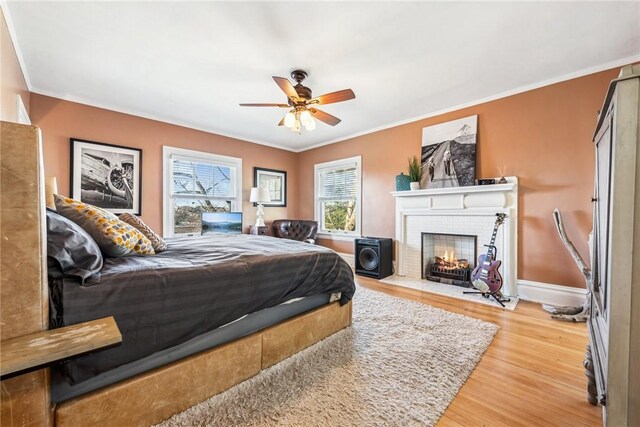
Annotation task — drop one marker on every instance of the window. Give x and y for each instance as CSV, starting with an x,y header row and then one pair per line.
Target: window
x,y
196,182
337,196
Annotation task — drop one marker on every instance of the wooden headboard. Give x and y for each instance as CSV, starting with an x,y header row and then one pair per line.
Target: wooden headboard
x,y
24,299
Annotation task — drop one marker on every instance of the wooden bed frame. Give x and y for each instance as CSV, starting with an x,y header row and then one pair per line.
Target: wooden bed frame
x,y
147,398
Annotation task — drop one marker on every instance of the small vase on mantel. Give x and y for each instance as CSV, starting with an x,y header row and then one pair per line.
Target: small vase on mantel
x,y
402,182
414,186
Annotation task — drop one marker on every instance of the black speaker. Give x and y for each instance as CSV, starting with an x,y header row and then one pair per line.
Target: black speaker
x,y
374,257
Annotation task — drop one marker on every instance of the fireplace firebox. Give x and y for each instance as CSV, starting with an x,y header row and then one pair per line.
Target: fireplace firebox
x,y
448,258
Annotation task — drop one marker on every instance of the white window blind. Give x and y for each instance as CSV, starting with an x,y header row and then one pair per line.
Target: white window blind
x,y
192,177
338,184
195,183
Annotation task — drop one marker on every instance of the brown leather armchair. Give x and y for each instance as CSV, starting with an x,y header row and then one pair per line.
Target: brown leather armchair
x,y
294,229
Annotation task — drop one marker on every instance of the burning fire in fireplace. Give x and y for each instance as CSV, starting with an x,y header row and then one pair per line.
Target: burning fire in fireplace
x,y
448,258
450,269
450,262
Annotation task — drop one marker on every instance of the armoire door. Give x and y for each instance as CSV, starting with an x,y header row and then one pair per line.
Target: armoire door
x,y
599,321
602,214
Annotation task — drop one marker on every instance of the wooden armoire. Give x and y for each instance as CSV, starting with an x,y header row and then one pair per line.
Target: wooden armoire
x,y
613,359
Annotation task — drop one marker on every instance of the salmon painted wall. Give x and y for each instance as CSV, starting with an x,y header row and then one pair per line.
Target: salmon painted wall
x,y
61,120
542,136
12,82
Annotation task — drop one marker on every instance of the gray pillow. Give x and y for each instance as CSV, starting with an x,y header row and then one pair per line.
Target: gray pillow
x,y
71,252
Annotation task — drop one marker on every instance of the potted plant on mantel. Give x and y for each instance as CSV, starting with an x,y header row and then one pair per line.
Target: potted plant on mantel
x,y
415,173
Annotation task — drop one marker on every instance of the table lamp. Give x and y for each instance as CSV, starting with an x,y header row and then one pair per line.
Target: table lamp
x,y
260,196
50,189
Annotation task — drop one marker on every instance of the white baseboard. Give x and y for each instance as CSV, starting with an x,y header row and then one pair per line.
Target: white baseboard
x,y
528,290
547,293
350,258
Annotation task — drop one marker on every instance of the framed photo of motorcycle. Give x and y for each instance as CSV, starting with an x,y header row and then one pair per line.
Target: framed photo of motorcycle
x,y
106,175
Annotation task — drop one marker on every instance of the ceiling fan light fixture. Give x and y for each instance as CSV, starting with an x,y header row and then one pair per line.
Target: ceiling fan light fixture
x,y
311,125
290,120
305,117
296,126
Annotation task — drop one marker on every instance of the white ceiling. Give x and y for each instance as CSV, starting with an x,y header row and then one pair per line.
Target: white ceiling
x,y
192,63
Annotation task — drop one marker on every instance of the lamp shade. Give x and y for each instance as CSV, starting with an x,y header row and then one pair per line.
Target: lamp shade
x,y
50,189
260,195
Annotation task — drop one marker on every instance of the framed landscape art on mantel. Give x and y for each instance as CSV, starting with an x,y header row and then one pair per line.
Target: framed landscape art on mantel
x,y
275,181
449,153
107,176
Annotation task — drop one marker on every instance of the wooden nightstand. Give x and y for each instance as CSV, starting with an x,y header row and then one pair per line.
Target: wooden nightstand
x,y
260,231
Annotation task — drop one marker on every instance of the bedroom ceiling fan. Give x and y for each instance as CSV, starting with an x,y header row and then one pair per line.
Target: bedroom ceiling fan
x,y
302,105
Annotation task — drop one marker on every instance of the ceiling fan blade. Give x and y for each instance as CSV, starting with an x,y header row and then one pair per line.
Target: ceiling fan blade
x,y
324,117
333,97
281,123
265,105
286,87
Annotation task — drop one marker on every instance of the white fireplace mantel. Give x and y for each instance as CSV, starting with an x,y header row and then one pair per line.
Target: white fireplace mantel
x,y
496,188
460,210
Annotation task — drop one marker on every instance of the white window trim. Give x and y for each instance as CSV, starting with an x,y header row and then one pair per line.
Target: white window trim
x,y
339,235
167,152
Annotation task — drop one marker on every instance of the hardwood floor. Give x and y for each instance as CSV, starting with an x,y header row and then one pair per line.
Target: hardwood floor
x,y
531,375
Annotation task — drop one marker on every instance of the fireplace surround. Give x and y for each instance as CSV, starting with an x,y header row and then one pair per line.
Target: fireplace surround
x,y
458,210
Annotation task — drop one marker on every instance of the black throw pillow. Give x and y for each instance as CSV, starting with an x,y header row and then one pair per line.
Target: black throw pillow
x,y
71,252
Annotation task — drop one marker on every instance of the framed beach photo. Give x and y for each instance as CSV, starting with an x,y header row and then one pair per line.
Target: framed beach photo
x,y
107,176
275,181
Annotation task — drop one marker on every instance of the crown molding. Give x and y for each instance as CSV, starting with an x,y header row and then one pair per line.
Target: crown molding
x,y
581,73
14,41
131,112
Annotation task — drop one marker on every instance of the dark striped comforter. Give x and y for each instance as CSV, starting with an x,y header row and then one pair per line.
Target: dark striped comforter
x,y
195,286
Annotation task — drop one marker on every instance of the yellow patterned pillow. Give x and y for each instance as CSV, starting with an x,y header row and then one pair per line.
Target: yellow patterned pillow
x,y
114,237
159,245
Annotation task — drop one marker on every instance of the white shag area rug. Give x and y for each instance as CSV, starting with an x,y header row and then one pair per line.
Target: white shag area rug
x,y
401,363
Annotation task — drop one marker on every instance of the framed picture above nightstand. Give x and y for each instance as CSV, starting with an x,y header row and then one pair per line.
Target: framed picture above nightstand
x,y
273,180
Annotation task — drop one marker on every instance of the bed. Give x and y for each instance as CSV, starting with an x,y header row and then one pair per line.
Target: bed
x,y
208,314
173,304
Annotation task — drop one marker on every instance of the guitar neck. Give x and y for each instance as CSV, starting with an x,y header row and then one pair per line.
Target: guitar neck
x,y
490,253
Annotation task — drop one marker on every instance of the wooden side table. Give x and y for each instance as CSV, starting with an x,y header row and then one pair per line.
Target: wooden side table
x,y
260,231
30,352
